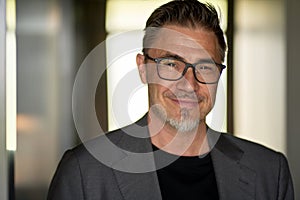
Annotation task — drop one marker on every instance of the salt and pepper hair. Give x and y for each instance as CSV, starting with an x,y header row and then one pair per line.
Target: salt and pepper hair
x,y
185,13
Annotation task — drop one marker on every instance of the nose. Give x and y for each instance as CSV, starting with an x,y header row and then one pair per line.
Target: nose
x,y
188,83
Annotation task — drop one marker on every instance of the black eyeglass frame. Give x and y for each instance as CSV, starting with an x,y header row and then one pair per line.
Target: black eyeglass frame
x,y
187,65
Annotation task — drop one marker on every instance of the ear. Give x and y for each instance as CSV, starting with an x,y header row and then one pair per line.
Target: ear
x,y
140,61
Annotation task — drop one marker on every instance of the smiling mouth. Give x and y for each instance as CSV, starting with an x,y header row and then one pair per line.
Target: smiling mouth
x,y
186,103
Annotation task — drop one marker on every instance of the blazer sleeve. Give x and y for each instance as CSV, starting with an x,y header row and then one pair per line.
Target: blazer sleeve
x,y
285,190
67,181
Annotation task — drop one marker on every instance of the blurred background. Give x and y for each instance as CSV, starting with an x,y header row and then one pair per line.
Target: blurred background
x,y
44,43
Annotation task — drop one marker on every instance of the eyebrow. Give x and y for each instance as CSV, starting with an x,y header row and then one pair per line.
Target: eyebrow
x,y
172,55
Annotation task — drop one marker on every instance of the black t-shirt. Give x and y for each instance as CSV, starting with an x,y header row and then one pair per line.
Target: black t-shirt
x,y
188,178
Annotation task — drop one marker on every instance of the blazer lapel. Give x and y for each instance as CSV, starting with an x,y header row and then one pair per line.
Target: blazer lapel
x,y
137,186
135,170
235,180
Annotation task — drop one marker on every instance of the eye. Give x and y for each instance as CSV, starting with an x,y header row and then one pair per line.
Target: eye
x,y
206,68
170,63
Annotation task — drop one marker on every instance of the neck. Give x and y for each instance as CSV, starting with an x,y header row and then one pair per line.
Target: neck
x,y
167,138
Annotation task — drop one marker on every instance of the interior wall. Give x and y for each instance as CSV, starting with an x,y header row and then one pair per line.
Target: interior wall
x,y
293,89
53,39
266,83
39,72
259,80
3,154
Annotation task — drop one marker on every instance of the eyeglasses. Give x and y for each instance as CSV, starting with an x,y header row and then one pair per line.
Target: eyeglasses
x,y
206,71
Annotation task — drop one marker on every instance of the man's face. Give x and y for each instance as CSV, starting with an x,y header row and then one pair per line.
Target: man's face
x,y
185,102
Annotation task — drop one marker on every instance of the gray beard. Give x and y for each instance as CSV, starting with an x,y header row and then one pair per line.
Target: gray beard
x,y
185,124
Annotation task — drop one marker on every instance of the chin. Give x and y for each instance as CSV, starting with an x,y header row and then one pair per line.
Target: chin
x,y
184,126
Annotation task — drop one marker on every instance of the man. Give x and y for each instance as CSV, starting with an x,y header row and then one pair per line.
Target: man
x,y
171,153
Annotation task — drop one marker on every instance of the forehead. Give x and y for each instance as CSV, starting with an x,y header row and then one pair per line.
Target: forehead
x,y
186,42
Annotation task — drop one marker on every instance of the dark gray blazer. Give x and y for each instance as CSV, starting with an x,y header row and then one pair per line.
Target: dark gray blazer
x,y
244,170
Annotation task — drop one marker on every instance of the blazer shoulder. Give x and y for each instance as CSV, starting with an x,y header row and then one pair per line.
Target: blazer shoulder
x,y
250,147
67,180
259,157
268,169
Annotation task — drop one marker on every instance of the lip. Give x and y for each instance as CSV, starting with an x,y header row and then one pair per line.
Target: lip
x,y
186,103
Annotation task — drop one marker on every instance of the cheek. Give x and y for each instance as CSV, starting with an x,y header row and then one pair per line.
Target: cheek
x,y
210,93
151,74
157,92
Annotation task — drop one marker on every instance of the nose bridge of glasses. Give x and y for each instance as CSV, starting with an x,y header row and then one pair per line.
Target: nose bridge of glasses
x,y
192,72
186,68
